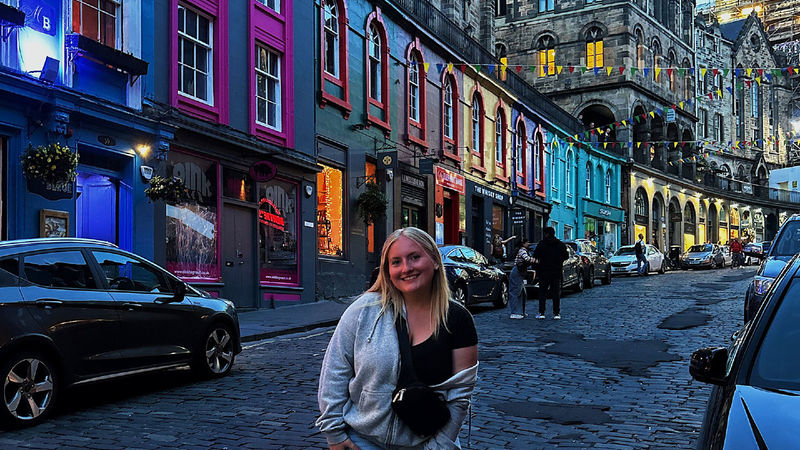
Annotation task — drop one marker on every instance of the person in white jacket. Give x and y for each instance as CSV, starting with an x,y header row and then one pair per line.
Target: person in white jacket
x,y
361,366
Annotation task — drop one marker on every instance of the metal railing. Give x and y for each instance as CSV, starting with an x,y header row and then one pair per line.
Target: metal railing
x,y
426,15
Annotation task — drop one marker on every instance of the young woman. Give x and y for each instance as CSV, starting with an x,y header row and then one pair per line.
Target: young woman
x,y
362,364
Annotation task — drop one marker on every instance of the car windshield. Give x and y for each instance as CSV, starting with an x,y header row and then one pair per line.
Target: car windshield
x,y
574,245
624,251
701,248
776,364
788,242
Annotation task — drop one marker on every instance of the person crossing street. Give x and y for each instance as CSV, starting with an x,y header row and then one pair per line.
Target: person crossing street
x,y
641,260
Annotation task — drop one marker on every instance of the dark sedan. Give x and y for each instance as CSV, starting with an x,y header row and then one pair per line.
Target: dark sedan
x,y
74,311
786,245
471,278
594,262
755,402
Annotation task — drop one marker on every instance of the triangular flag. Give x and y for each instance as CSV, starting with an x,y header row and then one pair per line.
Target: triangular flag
x,y
532,69
596,70
652,114
633,71
584,69
725,73
681,105
518,69
477,67
439,67
715,71
571,69
669,72
703,72
760,72
681,71
491,68
621,69
605,144
558,69
749,71
426,66
646,71
658,71
769,77
691,71
608,70
719,93
730,91
638,144
624,123
463,68
450,68
737,72
503,66
758,80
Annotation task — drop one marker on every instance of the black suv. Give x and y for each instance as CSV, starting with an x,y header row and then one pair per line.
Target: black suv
x,y
785,245
73,311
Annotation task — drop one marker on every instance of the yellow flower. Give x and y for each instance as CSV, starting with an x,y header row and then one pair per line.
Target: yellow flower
x,y
53,167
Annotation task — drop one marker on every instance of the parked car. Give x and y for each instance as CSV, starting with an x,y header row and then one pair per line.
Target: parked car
x,y
595,264
786,245
708,256
727,256
755,401
75,311
572,271
471,278
624,260
754,251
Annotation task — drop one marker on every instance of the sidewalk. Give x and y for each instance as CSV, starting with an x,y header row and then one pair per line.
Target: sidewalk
x,y
267,323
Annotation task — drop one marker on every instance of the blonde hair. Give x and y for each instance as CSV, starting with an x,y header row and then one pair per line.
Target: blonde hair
x,y
440,290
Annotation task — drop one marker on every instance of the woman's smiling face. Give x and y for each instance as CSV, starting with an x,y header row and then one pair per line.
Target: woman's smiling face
x,y
410,268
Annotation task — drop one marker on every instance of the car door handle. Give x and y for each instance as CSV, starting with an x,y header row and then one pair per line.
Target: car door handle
x,y
132,306
48,303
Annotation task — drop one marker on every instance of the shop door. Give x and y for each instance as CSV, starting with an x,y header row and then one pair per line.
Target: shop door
x,y
451,218
239,264
477,227
97,207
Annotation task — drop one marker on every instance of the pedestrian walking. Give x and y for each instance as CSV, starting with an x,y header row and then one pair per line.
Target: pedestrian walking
x,y
736,251
499,248
516,280
549,256
407,316
641,260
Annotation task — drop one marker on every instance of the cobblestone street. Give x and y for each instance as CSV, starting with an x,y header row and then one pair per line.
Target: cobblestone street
x,y
613,373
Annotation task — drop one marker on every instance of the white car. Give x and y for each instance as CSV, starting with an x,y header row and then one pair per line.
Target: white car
x,y
624,260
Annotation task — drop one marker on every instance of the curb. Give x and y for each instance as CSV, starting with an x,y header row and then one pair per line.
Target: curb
x,y
299,329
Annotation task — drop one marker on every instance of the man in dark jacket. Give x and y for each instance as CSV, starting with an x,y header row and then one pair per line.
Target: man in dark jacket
x,y
550,255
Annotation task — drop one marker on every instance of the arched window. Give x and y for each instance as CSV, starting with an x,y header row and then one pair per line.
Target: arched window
x,y
333,48
448,109
477,127
688,86
416,82
755,108
671,60
608,186
594,48
413,89
640,204
547,55
553,172
537,157
640,48
569,176
657,56
500,139
500,51
377,76
521,149
589,180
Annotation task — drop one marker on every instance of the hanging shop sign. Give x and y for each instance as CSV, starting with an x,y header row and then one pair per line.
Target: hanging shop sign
x,y
450,180
263,171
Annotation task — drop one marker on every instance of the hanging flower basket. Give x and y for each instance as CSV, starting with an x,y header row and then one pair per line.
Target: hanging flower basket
x,y
371,204
171,190
55,165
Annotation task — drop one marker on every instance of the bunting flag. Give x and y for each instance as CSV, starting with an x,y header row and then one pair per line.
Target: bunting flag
x,y
426,66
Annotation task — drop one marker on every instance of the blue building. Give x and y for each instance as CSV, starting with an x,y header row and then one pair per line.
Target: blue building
x,y
599,209
77,84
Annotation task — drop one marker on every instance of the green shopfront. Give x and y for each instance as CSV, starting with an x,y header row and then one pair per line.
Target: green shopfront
x,y
603,225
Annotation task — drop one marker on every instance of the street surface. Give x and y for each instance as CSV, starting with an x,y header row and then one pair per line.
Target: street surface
x,y
604,376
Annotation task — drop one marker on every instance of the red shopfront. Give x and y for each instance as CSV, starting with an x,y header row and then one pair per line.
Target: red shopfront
x,y
449,209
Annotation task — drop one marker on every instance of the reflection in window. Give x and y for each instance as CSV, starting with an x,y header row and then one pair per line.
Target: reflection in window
x,y
277,232
268,88
195,57
329,212
96,20
59,270
127,274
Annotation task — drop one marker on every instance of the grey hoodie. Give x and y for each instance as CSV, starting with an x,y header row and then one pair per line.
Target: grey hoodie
x,y
359,373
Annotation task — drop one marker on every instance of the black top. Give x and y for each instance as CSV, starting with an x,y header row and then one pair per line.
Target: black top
x,y
551,254
433,359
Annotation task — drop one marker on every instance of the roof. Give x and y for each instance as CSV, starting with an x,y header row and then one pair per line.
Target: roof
x,y
11,247
731,30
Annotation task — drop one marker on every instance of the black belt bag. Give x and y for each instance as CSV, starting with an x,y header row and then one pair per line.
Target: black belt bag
x,y
422,409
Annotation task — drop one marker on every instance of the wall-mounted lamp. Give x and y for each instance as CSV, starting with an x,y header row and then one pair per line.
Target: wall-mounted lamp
x,y
309,190
143,151
49,71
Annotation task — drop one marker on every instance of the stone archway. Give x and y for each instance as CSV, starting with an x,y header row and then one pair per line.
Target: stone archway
x,y
713,224
599,116
657,218
641,211
689,226
675,221
724,234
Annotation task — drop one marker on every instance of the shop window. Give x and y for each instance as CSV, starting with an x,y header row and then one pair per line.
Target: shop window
x,y
278,218
193,226
237,185
369,171
567,232
330,217
97,19
410,217
274,5
498,219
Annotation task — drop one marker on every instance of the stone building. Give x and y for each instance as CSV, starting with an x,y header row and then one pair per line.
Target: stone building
x,y
628,70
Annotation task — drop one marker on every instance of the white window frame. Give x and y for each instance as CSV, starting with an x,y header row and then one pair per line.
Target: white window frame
x,y
498,137
413,90
117,20
270,74
608,186
476,125
589,180
553,172
274,5
209,47
331,28
519,149
375,46
537,155
568,175
448,109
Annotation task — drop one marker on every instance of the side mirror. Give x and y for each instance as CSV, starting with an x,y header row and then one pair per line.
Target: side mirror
x,y
180,291
708,365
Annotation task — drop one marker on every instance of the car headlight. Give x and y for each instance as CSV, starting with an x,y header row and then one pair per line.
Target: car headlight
x,y
762,284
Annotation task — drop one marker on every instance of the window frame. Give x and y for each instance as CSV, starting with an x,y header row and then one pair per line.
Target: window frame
x,y
521,150
118,35
216,11
276,8
375,20
546,6
538,160
500,150
99,280
450,144
608,181
477,123
414,53
341,79
588,179
568,177
209,47
594,36
279,78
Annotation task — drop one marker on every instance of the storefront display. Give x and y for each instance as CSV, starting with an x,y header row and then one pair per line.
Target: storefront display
x,y
192,226
329,212
277,232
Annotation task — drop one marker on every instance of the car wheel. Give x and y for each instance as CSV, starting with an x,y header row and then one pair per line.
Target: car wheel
x,y
460,295
589,281
579,284
502,299
31,386
607,279
713,264
216,356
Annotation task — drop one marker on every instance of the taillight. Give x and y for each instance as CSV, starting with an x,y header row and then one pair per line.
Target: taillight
x,y
585,259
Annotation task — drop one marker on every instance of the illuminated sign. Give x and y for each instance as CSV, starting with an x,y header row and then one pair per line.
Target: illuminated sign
x,y
39,16
42,35
270,215
450,180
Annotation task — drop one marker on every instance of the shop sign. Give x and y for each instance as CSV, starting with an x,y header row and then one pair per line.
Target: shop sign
x,y
518,217
412,181
670,115
488,193
107,140
263,171
604,212
450,180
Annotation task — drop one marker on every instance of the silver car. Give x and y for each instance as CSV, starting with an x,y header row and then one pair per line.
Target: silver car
x,y
703,256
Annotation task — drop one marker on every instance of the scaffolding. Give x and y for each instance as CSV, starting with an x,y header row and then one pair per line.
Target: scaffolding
x,y
781,18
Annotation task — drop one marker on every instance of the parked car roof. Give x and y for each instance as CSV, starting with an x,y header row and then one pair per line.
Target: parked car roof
x,y
10,247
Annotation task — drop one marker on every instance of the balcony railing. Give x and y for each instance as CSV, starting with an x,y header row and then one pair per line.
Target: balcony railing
x,y
426,15
727,186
